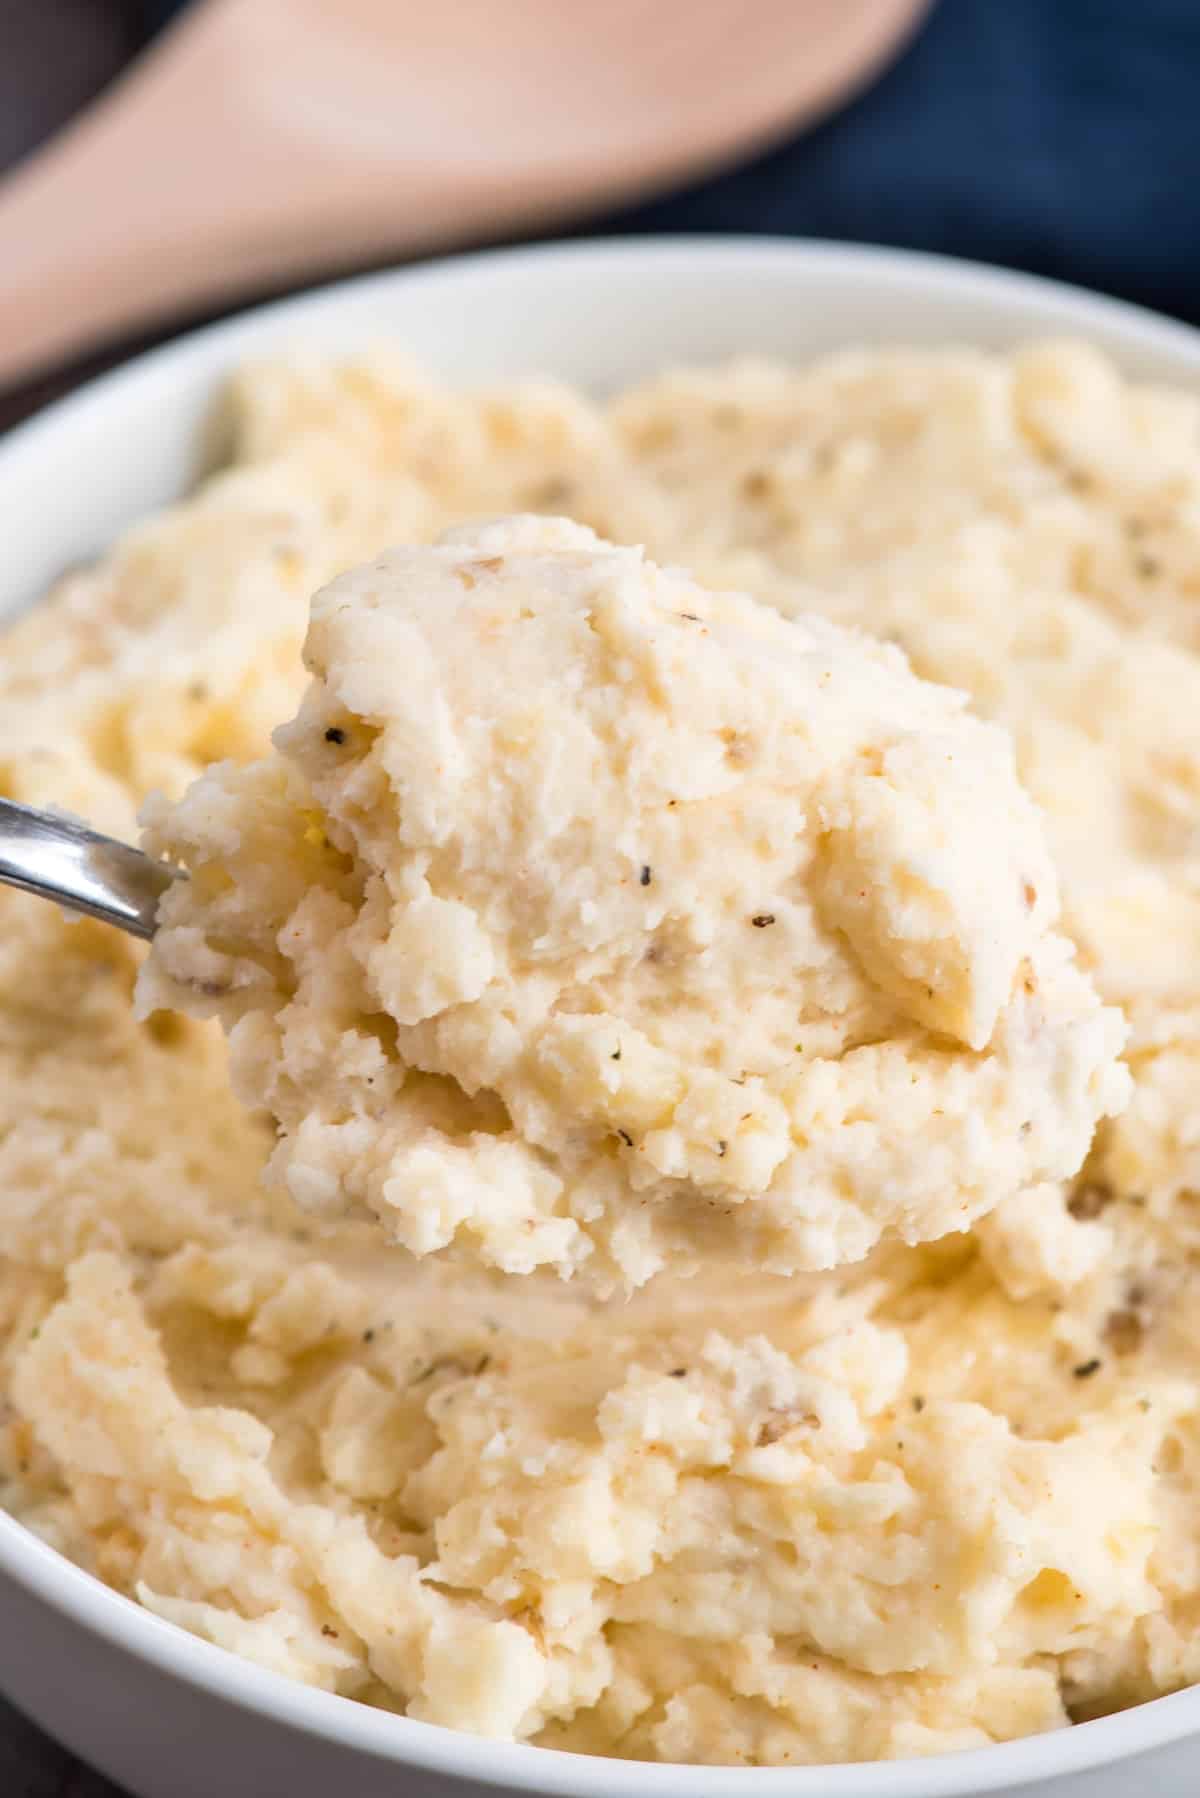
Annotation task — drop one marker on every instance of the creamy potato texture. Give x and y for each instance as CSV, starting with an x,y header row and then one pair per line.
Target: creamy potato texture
x,y
599,920
942,1496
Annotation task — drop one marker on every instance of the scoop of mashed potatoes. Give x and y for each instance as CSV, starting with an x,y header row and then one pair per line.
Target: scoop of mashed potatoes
x,y
584,915
941,1497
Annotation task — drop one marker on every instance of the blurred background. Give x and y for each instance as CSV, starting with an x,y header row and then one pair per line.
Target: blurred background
x,y
1056,136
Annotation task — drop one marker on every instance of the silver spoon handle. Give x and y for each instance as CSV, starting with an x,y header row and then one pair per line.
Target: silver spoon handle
x,y
58,859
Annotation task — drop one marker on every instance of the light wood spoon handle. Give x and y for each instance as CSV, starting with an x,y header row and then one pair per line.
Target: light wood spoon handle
x,y
261,139
187,183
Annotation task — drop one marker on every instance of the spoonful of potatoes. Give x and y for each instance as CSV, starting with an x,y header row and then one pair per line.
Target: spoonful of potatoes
x,y
589,919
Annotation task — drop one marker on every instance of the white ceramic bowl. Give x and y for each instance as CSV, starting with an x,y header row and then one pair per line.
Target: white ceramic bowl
x,y
170,1716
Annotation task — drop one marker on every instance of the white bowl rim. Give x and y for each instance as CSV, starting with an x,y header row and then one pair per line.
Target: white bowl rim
x,y
108,1615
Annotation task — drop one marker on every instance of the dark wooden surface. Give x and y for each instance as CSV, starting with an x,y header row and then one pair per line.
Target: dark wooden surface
x,y
32,1766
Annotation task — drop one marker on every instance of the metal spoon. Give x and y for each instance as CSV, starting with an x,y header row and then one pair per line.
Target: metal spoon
x,y
60,859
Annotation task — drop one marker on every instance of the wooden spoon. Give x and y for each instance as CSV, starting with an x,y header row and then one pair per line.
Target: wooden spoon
x,y
259,140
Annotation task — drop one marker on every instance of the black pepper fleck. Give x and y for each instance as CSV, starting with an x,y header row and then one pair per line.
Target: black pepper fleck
x,y
1090,1199
645,876
334,735
616,1054
761,919
368,1336
1086,1369
1124,1331
625,1138
722,1147
690,616
678,1373
918,1403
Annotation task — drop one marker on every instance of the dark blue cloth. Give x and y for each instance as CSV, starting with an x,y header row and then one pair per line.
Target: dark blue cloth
x,y
1061,136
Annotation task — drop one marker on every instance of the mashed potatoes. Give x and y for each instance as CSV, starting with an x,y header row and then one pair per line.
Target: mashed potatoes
x,y
718,932
943,1496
